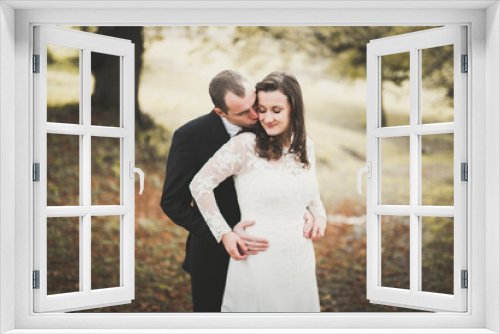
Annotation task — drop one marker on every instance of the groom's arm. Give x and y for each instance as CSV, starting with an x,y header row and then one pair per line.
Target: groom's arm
x,y
176,199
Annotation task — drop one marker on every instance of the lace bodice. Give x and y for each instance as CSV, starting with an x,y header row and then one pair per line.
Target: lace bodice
x,y
281,190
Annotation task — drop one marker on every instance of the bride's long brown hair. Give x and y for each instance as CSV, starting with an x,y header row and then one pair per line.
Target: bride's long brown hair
x,y
272,147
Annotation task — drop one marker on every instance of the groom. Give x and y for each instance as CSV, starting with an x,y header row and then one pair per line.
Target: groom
x,y
192,145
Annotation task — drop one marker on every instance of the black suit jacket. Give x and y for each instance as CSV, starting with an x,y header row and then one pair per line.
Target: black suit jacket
x,y
192,145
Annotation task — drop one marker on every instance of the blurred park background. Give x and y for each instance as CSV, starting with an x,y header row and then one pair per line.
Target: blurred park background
x,y
174,66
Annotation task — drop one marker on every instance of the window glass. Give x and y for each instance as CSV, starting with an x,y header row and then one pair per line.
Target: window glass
x,y
105,171
63,84
395,170
63,170
395,94
437,169
105,252
395,238
63,255
105,89
437,254
437,85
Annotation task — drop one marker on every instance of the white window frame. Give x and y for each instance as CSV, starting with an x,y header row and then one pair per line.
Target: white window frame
x,y
17,19
413,43
85,297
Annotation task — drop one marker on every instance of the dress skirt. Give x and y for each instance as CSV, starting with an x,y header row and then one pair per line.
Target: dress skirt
x,y
280,279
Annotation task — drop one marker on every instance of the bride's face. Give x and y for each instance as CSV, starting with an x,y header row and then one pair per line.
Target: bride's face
x,y
274,112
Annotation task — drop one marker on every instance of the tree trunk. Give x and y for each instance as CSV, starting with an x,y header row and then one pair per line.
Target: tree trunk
x,y
383,115
106,96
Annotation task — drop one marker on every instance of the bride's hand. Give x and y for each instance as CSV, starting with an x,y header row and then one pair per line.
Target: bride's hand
x,y
314,228
232,242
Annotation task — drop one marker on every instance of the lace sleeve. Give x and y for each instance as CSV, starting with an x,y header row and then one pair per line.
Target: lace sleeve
x,y
315,207
227,161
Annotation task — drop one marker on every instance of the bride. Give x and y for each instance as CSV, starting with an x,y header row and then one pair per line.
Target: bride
x,y
275,182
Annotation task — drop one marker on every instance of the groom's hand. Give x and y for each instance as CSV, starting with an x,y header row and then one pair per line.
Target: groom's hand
x,y
253,244
314,228
233,244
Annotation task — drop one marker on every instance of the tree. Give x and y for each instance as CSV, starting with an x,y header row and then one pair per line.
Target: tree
x,y
106,96
345,48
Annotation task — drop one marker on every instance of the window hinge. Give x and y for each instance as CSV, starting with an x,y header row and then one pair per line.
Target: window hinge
x,y
36,172
36,279
464,171
36,63
465,279
465,64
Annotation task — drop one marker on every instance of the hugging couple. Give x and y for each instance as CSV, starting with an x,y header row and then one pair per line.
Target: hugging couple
x,y
250,168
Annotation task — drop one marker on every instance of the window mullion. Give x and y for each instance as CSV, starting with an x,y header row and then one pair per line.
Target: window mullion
x,y
434,129
417,119
415,251
85,246
82,170
86,253
123,175
127,122
376,249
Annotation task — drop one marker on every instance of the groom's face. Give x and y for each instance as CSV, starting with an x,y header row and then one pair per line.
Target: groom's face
x,y
241,110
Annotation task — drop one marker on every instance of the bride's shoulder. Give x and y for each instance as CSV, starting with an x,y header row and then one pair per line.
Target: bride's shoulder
x,y
310,147
245,137
309,142
248,134
244,140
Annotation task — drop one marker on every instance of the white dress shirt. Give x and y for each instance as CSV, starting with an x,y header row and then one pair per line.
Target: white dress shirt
x,y
231,129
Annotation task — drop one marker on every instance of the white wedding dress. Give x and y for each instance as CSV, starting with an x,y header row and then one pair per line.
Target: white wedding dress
x,y
274,194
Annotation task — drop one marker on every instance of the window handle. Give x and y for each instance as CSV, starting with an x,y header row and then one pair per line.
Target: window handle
x,y
368,171
141,175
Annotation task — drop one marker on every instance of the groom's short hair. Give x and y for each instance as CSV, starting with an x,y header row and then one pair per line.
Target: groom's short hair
x,y
226,81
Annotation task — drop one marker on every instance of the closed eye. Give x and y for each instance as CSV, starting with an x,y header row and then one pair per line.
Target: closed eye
x,y
243,112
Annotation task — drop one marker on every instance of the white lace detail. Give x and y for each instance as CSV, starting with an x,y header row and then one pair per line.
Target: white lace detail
x,y
315,207
288,163
274,194
269,190
227,161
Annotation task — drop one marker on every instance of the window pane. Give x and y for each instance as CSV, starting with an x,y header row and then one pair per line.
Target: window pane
x,y
395,170
437,169
105,171
437,84
63,170
395,94
395,238
105,252
63,84
437,254
106,89
63,255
